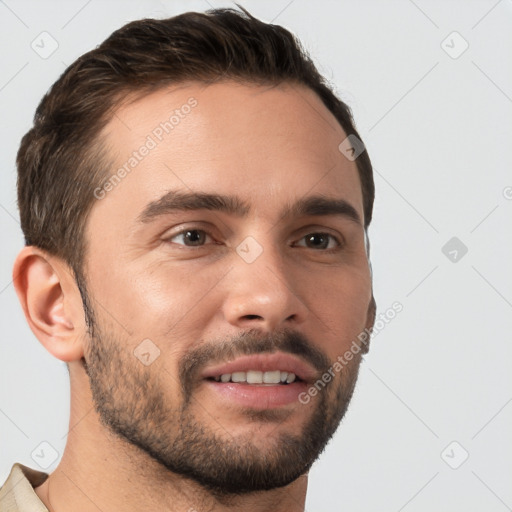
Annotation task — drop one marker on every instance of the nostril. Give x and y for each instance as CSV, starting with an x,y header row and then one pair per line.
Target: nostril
x,y
251,317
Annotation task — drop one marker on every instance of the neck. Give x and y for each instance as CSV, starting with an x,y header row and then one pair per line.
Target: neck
x,y
100,471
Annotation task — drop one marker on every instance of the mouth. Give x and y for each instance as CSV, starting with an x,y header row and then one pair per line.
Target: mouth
x,y
268,378
261,381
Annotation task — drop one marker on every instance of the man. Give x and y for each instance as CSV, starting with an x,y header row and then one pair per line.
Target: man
x,y
195,202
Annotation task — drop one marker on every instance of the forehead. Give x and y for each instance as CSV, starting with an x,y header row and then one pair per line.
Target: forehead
x,y
269,144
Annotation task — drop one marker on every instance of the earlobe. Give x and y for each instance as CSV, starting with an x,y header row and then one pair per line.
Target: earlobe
x,y
42,285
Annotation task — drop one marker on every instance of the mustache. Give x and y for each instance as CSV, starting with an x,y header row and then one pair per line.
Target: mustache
x,y
248,343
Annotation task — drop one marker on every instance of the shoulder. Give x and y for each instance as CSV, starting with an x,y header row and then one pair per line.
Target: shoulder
x,y
17,493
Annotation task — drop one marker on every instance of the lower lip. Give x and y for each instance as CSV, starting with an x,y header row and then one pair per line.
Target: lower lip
x,y
258,396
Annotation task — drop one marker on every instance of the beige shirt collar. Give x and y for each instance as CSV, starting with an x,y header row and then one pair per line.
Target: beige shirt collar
x,y
18,495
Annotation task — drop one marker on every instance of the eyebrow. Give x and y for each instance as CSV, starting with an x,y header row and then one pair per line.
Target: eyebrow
x,y
313,206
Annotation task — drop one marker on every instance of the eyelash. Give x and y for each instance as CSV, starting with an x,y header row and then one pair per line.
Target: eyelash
x,y
184,231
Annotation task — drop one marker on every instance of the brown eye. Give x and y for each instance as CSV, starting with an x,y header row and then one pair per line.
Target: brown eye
x,y
190,237
321,241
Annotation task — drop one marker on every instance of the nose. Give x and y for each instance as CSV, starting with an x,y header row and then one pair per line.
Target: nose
x,y
263,293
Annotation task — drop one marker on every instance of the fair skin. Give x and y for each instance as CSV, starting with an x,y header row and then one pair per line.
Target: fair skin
x,y
270,147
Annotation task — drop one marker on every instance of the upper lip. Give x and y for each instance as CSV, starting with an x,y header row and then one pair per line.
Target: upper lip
x,y
264,362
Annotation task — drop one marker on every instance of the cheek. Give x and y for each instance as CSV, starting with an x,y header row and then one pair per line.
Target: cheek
x,y
162,300
341,305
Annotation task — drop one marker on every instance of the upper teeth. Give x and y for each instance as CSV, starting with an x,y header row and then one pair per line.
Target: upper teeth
x,y
257,377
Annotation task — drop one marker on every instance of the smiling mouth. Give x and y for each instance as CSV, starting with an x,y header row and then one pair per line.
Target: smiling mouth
x,y
273,369
256,377
259,381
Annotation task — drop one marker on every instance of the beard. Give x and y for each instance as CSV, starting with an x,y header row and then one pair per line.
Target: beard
x,y
133,403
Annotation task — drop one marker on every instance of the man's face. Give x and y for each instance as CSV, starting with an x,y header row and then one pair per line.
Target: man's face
x,y
187,300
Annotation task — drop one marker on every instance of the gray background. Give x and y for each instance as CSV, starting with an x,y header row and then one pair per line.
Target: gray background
x,y
437,124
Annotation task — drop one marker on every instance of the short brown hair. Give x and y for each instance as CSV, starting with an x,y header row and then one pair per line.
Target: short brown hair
x,y
61,159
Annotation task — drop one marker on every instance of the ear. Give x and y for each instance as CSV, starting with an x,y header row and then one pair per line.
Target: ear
x,y
370,321
51,302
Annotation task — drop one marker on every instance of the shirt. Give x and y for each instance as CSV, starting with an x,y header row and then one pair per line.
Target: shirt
x,y
18,495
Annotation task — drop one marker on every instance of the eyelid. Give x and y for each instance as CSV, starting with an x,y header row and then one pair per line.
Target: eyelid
x,y
316,229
